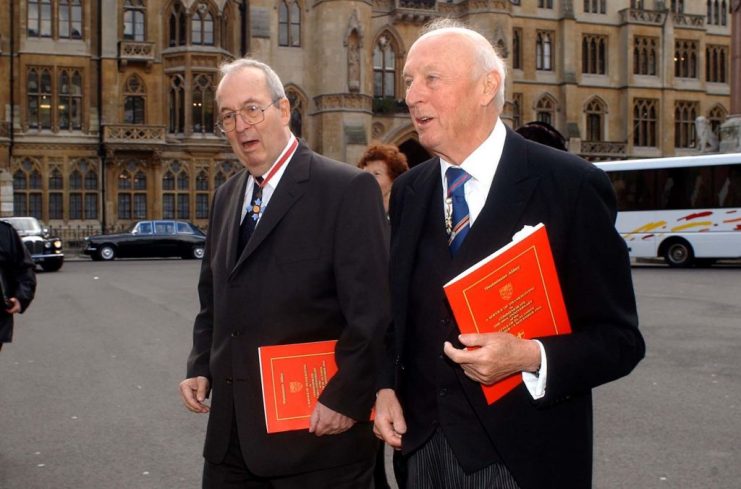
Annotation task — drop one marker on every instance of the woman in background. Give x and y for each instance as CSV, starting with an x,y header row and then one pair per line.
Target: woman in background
x,y
385,162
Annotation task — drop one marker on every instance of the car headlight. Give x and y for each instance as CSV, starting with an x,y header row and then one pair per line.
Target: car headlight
x,y
47,244
58,244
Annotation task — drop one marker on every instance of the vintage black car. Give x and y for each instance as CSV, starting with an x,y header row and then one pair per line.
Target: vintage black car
x,y
45,250
156,238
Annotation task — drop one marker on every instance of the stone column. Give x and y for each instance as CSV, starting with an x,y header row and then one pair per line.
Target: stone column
x,y
730,131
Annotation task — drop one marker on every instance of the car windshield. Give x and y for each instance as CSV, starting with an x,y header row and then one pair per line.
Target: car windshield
x,y
21,224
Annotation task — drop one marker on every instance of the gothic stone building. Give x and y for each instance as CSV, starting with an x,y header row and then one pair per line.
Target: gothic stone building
x,y
107,108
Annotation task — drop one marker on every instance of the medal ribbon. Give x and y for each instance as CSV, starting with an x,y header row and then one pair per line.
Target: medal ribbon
x,y
286,156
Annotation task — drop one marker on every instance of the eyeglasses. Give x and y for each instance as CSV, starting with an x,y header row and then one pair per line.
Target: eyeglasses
x,y
250,114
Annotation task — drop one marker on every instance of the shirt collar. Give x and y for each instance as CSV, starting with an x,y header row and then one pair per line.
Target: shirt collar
x,y
483,162
273,182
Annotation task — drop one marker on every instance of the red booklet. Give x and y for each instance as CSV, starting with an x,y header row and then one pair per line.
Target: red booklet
x,y
293,376
514,290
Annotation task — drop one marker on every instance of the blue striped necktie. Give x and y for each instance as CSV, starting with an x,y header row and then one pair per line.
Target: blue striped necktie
x,y
458,223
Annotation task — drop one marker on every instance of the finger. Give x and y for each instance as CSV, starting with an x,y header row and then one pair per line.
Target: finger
x,y
314,420
203,388
458,356
186,394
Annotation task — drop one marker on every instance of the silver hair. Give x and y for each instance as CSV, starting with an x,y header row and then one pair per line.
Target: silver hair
x,y
275,86
489,59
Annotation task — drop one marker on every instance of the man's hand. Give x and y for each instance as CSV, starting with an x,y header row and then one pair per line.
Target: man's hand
x,y
389,424
325,421
499,355
194,392
16,307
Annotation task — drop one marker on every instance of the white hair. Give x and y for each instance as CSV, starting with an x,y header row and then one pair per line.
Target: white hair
x,y
488,59
275,86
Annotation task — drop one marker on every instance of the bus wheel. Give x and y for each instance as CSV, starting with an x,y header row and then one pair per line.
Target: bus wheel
x,y
679,254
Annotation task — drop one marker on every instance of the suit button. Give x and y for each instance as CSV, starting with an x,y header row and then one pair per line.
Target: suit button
x,y
440,356
443,392
235,334
228,380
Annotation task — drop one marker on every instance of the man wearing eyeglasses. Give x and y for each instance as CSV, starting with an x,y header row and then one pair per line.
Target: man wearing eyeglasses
x,y
295,252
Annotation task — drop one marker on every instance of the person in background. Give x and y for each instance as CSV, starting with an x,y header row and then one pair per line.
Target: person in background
x,y
296,251
543,133
484,183
17,280
385,162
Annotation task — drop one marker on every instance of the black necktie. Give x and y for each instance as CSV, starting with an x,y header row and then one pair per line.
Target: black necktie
x,y
250,219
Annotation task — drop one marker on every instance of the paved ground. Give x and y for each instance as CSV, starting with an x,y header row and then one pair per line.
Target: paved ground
x,y
88,393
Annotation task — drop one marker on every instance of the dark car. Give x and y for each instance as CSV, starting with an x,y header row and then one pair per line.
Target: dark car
x,y
157,238
45,250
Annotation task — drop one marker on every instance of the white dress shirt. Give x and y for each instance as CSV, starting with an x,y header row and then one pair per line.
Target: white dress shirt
x,y
482,165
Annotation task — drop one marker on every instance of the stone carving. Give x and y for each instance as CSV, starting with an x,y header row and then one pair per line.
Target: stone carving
x,y
353,43
707,141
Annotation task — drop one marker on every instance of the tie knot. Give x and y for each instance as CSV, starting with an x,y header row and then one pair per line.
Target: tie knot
x,y
456,177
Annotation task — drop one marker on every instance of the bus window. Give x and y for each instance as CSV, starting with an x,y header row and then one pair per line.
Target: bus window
x,y
727,186
634,189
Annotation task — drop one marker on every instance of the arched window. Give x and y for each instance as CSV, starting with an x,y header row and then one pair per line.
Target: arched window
x,y
27,189
685,59
384,67
516,110
55,194
297,112
202,27
202,195
69,106
595,112
224,170
715,63
132,195
685,114
177,26
203,104
543,51
644,122
134,17
134,101
545,109
39,93
594,54
176,192
83,191
517,49
289,23
176,105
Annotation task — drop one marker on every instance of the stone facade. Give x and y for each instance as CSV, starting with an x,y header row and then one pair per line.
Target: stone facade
x,y
107,115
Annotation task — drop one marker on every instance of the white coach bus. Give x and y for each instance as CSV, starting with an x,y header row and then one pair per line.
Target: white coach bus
x,y
684,209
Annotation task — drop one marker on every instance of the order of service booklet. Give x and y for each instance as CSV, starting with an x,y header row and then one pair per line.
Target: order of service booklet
x,y
514,290
293,376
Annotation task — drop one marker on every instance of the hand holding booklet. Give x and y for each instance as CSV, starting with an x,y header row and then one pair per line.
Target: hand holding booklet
x,y
514,290
293,377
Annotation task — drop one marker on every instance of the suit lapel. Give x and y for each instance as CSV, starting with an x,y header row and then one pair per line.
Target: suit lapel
x,y
290,189
511,190
234,211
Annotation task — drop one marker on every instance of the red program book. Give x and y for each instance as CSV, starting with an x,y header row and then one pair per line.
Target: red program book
x,y
293,376
514,290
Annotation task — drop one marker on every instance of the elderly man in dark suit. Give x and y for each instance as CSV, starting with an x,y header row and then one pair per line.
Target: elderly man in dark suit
x,y
430,403
296,251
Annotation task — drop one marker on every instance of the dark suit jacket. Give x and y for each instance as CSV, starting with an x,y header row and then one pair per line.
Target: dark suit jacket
x,y
17,276
548,442
314,269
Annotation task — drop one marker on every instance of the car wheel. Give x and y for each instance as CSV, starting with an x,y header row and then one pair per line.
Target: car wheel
x,y
679,254
107,253
197,252
52,265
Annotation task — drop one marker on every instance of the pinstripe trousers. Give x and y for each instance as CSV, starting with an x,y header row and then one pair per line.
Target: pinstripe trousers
x,y
434,466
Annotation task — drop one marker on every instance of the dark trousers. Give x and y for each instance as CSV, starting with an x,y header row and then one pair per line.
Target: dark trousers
x,y
434,466
233,473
